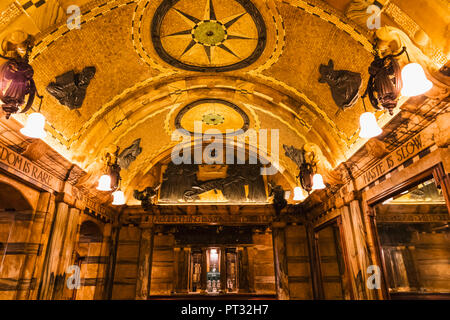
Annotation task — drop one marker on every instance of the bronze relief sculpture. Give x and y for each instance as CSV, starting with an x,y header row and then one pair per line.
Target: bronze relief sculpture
x,y
70,88
278,194
344,84
128,155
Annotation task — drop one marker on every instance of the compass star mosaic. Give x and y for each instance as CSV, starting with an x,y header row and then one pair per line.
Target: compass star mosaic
x,y
210,36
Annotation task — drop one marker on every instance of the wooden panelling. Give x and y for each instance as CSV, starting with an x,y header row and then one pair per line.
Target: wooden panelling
x,y
162,274
300,282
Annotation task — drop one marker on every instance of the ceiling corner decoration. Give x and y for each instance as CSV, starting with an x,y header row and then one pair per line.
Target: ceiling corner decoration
x,y
207,35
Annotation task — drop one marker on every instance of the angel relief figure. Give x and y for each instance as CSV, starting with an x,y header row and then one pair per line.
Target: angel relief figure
x,y
128,155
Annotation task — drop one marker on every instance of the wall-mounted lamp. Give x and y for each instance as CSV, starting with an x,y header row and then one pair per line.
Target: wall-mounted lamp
x,y
16,76
307,165
110,181
309,179
104,183
369,127
305,174
387,82
385,85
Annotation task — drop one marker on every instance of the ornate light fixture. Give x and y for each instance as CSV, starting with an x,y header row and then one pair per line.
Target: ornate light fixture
x,y
16,76
309,179
387,82
104,183
307,165
385,85
111,179
306,173
369,126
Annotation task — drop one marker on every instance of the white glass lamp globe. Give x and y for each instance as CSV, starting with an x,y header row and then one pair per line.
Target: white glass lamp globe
x,y
414,80
298,194
369,126
118,198
318,182
104,183
34,128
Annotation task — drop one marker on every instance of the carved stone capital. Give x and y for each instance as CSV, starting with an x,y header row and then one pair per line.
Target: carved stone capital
x,y
279,224
66,198
442,134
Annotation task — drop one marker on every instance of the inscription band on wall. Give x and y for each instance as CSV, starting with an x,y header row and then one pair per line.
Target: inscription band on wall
x,y
397,157
16,164
210,219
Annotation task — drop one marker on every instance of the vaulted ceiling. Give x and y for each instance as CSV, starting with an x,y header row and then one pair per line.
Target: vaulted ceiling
x,y
256,61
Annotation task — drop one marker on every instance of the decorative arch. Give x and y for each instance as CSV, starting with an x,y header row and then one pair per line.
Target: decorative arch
x,y
90,232
11,199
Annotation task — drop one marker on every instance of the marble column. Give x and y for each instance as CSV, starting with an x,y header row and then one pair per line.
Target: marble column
x,y
203,272
176,269
67,250
280,260
223,270
53,254
184,273
144,264
38,235
103,263
242,254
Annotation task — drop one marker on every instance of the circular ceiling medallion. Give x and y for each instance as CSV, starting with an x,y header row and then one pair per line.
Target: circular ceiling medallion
x,y
208,35
202,115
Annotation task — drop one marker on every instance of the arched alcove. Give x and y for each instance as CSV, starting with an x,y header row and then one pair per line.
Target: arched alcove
x,y
12,199
90,232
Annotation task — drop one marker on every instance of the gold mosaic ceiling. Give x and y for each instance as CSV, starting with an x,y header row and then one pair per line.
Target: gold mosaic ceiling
x,y
154,58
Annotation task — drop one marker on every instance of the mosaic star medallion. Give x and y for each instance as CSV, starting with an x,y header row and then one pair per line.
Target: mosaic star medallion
x,y
208,35
213,119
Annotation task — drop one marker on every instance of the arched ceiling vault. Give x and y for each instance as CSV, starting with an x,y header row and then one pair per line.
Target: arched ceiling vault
x,y
153,58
